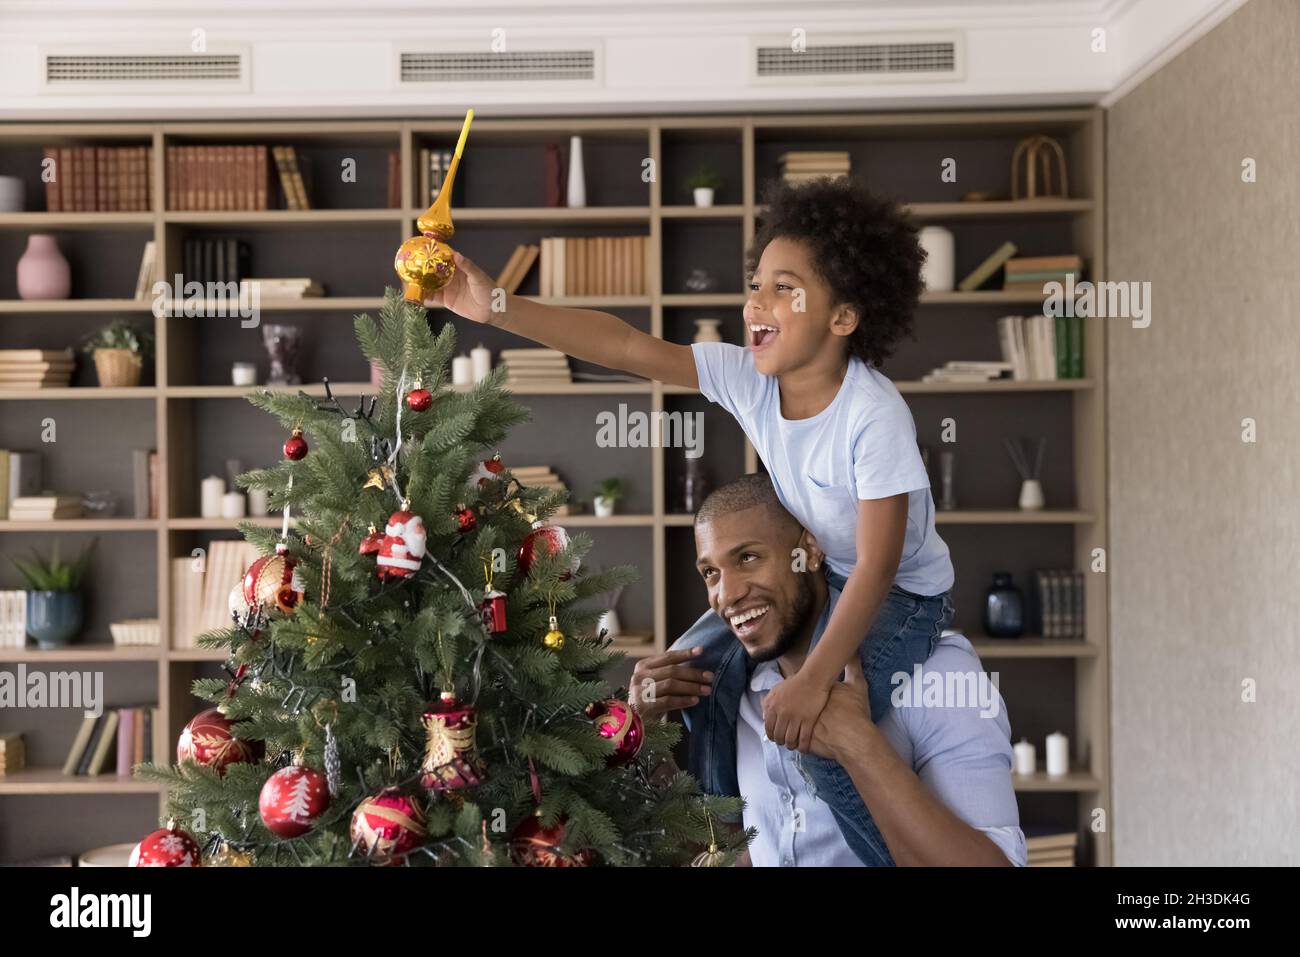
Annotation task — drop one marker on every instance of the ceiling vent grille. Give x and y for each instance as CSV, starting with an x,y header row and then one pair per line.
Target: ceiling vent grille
x,y
897,59
80,72
568,67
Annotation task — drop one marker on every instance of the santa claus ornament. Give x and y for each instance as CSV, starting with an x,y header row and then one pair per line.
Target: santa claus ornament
x,y
487,472
450,752
545,540
617,722
292,800
208,740
386,826
272,582
166,847
403,546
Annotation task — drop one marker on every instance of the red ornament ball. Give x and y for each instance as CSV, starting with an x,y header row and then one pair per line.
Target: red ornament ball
x,y
466,520
295,447
386,826
271,582
419,400
532,845
615,720
545,540
166,847
292,800
209,741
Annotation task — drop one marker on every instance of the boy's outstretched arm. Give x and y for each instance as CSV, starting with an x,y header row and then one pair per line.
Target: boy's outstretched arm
x,y
582,333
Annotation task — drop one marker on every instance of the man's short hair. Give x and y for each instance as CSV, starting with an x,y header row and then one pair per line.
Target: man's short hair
x,y
748,491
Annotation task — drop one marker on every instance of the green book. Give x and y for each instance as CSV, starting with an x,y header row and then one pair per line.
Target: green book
x,y
1076,347
1062,348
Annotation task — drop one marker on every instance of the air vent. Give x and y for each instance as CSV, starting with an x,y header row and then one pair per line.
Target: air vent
x,y
896,59
565,66
82,71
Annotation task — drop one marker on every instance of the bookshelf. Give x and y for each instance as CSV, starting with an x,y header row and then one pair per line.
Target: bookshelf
x,y
187,410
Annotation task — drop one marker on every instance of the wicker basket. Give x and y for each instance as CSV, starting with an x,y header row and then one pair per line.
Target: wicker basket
x,y
118,368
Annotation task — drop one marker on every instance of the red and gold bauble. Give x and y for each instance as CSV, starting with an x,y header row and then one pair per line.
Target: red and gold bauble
x,y
386,826
616,721
209,741
419,399
295,446
545,540
292,800
166,847
272,584
466,520
450,752
532,845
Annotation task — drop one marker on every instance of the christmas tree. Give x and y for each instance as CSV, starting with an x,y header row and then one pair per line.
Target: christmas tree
x,y
414,677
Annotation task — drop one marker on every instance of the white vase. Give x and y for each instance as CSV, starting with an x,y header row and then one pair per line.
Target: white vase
x,y
938,271
609,623
703,195
12,189
706,330
1031,495
577,180
604,506
43,273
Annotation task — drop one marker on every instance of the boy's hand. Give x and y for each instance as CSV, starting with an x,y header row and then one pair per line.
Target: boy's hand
x,y
468,294
790,712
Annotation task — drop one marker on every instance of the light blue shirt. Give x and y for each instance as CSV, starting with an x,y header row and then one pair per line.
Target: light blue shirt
x,y
963,759
861,446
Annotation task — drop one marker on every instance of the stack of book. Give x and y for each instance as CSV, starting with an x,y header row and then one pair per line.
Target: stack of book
x,y
517,267
216,177
36,368
799,166
214,260
542,476
593,266
434,165
44,508
13,619
296,288
1042,347
13,753
201,591
968,370
1051,850
117,740
1057,604
98,179
20,474
535,367
1029,274
136,631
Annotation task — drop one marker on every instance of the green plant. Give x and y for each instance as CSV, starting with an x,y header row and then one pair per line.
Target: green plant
x,y
610,489
704,178
55,574
120,334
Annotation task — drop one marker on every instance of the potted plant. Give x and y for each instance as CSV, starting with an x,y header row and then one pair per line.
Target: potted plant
x,y
55,610
609,492
120,350
702,184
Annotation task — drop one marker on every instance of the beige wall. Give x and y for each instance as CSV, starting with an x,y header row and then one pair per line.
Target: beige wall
x,y
1205,528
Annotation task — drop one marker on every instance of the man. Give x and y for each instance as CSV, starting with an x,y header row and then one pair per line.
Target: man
x,y
937,780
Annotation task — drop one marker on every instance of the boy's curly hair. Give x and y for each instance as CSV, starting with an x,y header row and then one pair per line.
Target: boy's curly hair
x,y
862,245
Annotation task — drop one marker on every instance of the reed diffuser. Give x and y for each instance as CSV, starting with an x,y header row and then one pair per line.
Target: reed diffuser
x,y
1027,455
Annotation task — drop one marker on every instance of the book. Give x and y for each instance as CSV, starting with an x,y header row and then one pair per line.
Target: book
x,y
80,744
522,267
144,280
24,476
985,270
125,741
42,507
105,744
53,192
88,754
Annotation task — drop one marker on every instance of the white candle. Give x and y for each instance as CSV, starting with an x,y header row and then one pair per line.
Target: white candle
x,y
1058,754
257,501
1026,757
210,492
233,505
462,371
243,373
481,356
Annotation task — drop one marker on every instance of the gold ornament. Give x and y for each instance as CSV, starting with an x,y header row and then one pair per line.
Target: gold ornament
x,y
554,639
713,857
425,263
379,477
227,856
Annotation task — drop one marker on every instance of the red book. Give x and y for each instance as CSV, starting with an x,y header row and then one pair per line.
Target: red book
x,y
170,173
394,180
53,195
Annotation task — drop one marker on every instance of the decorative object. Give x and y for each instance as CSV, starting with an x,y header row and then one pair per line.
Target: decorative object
x,y
450,752
99,503
706,330
386,826
209,740
403,546
272,582
1028,459
545,540
12,189
55,606
426,263
481,358
211,491
702,184
1004,608
233,505
466,519
616,721
462,371
419,399
938,272
608,623
532,845
700,281
283,346
552,176
243,373
258,501
947,498
554,638
1025,757
695,484
120,351
295,446
166,847
43,273
136,631
292,800
1037,153
609,492
1058,754
577,180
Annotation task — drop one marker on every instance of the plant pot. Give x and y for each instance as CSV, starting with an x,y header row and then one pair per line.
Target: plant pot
x,y
53,617
43,273
604,506
703,195
118,368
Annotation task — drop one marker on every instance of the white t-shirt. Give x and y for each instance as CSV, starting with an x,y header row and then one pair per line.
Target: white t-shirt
x,y
861,446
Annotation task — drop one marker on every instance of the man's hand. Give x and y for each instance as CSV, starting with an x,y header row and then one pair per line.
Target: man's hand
x,y
846,717
468,294
662,683
790,712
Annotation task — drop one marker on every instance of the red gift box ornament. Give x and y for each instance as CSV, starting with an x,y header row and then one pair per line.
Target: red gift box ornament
x,y
451,757
403,548
492,610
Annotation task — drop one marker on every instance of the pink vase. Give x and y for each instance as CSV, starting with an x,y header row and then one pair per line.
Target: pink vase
x,y
42,271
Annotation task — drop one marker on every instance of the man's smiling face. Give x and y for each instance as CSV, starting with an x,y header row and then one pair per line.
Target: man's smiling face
x,y
745,560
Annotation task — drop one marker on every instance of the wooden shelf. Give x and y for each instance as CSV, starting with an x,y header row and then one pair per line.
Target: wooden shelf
x,y
996,386
1001,209
54,781
73,306
218,655
91,651
704,299
176,308
1080,781
1031,647
352,389
195,523
82,525
559,215
255,218
49,221
79,392
731,211
1011,516
995,297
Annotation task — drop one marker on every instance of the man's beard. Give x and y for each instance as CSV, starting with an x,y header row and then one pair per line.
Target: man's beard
x,y
792,628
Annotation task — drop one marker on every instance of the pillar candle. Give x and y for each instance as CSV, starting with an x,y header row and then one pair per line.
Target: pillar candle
x,y
210,492
1026,757
462,371
481,357
257,501
233,505
243,373
1058,754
